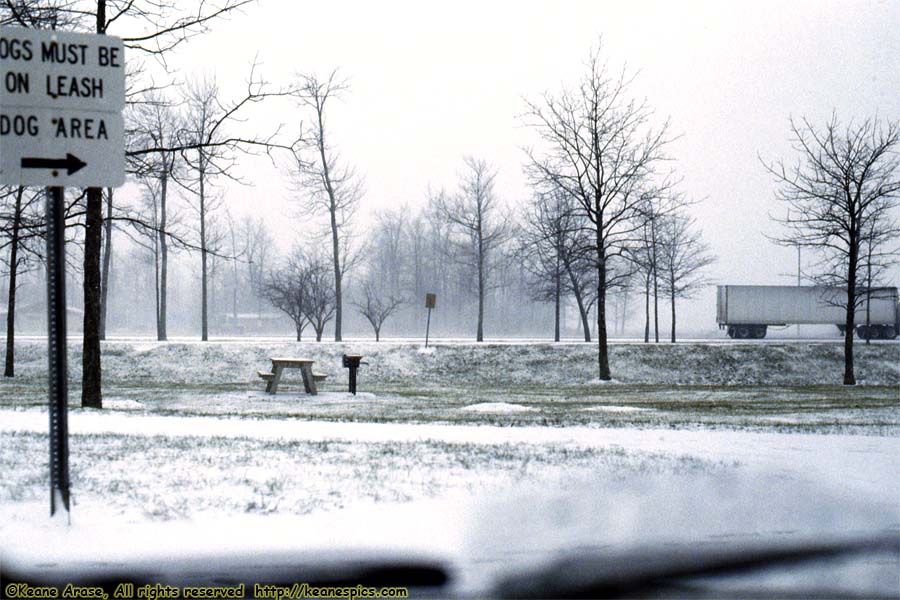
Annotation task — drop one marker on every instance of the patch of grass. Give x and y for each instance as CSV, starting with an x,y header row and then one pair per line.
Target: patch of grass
x,y
168,478
413,387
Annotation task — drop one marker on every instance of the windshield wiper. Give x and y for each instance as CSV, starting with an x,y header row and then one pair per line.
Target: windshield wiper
x,y
643,572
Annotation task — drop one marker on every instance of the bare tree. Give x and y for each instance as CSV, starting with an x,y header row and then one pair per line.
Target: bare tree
x,y
149,238
201,117
152,226
385,254
376,307
878,257
39,14
598,146
218,258
540,246
156,123
154,28
645,253
555,240
580,270
106,261
643,257
651,212
206,157
322,297
683,257
840,196
331,187
18,208
481,228
257,246
287,289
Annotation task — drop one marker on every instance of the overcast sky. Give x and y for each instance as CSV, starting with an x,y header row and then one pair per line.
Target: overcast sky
x,y
431,82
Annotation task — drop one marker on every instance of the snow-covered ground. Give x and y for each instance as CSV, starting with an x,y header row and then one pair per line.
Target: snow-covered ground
x,y
772,386
490,364
189,453
170,486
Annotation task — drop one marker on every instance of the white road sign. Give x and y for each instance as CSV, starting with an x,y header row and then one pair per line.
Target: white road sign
x,y
61,97
65,148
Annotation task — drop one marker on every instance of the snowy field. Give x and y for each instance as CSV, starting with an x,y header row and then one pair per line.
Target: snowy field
x,y
793,386
188,441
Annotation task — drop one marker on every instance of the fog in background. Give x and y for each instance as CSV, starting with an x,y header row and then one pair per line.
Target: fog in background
x,y
431,83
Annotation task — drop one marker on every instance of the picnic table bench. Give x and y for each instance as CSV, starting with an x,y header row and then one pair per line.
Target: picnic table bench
x,y
280,364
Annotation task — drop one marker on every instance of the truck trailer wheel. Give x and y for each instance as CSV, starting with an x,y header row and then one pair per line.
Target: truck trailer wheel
x,y
759,332
872,332
879,332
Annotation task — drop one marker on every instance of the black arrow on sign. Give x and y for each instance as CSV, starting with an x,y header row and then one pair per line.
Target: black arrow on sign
x,y
71,163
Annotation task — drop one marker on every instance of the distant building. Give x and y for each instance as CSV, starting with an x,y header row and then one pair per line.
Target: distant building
x,y
32,317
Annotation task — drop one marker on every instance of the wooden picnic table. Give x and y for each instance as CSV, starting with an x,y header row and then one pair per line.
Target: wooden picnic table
x,y
280,364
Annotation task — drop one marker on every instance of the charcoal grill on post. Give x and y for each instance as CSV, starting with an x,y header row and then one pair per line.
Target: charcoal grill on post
x,y
352,362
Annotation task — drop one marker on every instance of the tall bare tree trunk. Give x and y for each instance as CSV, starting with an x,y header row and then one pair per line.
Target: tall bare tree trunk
x,y
672,298
556,299
869,290
335,245
161,333
9,369
602,342
849,378
480,333
603,350
655,278
107,256
338,304
204,318
579,300
647,309
91,395
156,276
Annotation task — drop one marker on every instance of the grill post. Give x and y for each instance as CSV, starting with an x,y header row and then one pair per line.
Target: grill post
x,y
352,362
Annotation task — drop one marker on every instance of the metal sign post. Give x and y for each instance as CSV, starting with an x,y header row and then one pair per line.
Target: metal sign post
x,y
61,101
56,337
430,301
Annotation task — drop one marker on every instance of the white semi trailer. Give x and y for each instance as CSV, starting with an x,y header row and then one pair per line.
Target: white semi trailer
x,y
746,311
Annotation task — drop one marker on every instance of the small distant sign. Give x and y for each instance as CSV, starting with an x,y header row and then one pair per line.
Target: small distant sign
x,y
61,101
430,300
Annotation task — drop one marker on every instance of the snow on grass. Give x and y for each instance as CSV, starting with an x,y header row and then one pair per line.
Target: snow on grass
x,y
498,408
726,386
176,467
616,409
146,485
188,446
428,458
117,404
488,364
